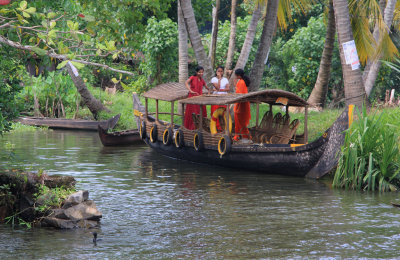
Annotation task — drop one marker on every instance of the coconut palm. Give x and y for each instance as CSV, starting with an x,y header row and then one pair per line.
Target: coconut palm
x,y
265,43
277,10
353,84
248,42
194,35
373,65
214,33
232,37
318,94
183,47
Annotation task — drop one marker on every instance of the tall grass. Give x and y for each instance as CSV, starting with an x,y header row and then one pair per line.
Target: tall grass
x,y
370,158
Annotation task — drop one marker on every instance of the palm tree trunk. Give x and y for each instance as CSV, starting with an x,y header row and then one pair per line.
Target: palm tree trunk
x,y
94,105
353,85
263,48
232,38
195,39
248,42
373,70
183,47
318,94
375,34
214,33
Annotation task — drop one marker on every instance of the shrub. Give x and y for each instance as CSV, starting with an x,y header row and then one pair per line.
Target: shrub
x,y
370,158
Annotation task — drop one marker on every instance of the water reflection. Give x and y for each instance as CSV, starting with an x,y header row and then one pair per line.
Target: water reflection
x,y
158,207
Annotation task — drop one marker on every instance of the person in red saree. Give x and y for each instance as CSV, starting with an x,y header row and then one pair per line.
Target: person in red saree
x,y
242,110
195,89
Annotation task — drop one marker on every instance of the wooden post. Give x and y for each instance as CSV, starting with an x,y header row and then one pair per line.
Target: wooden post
x,y
257,113
157,109
227,120
183,114
147,107
172,113
305,125
201,118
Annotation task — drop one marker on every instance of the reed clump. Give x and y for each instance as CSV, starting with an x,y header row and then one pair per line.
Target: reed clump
x,y
370,157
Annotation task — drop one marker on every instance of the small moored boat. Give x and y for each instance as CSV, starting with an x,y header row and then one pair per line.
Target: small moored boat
x,y
275,146
127,137
71,124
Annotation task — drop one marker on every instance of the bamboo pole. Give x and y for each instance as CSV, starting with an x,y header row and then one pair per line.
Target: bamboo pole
x,y
305,125
157,109
172,113
201,119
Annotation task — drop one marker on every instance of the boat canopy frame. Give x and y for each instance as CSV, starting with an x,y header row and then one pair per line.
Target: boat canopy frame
x,y
174,91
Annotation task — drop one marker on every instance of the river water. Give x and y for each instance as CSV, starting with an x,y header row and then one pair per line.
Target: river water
x,y
156,207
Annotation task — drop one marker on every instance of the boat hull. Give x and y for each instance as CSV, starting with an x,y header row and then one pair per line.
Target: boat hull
x,y
312,160
70,124
129,137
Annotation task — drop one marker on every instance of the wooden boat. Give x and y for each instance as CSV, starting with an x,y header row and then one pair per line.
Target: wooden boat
x,y
71,124
128,137
275,148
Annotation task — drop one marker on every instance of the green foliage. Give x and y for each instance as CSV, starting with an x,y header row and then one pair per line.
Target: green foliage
x,y
370,157
6,197
56,93
299,58
9,87
160,46
241,31
51,197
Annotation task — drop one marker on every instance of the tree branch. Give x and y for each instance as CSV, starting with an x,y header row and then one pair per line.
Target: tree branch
x,y
17,45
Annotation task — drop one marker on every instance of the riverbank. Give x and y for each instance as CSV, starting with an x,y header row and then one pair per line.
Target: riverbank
x,y
39,200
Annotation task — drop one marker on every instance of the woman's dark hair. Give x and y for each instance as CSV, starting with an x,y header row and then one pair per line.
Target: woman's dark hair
x,y
246,79
219,67
198,68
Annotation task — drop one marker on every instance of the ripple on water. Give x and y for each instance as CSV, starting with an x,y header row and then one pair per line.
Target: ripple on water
x,y
156,207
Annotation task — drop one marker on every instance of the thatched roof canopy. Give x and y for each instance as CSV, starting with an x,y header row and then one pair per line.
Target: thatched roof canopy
x,y
270,96
168,92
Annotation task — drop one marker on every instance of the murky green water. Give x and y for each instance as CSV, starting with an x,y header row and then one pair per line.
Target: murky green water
x,y
160,208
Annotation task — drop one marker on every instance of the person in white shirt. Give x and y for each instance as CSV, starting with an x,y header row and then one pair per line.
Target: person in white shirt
x,y
221,84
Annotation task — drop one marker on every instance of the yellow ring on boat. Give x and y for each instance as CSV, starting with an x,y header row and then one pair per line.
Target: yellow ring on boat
x,y
224,145
198,141
153,133
219,112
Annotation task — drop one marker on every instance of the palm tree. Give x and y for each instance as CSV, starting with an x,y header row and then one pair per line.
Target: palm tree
x,y
214,33
373,65
183,47
265,42
248,42
353,84
194,35
318,94
232,38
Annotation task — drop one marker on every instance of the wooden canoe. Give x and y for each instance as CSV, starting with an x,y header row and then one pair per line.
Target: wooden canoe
x,y
128,137
71,124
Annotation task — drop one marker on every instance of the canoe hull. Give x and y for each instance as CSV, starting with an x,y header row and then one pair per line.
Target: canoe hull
x,y
70,124
129,137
